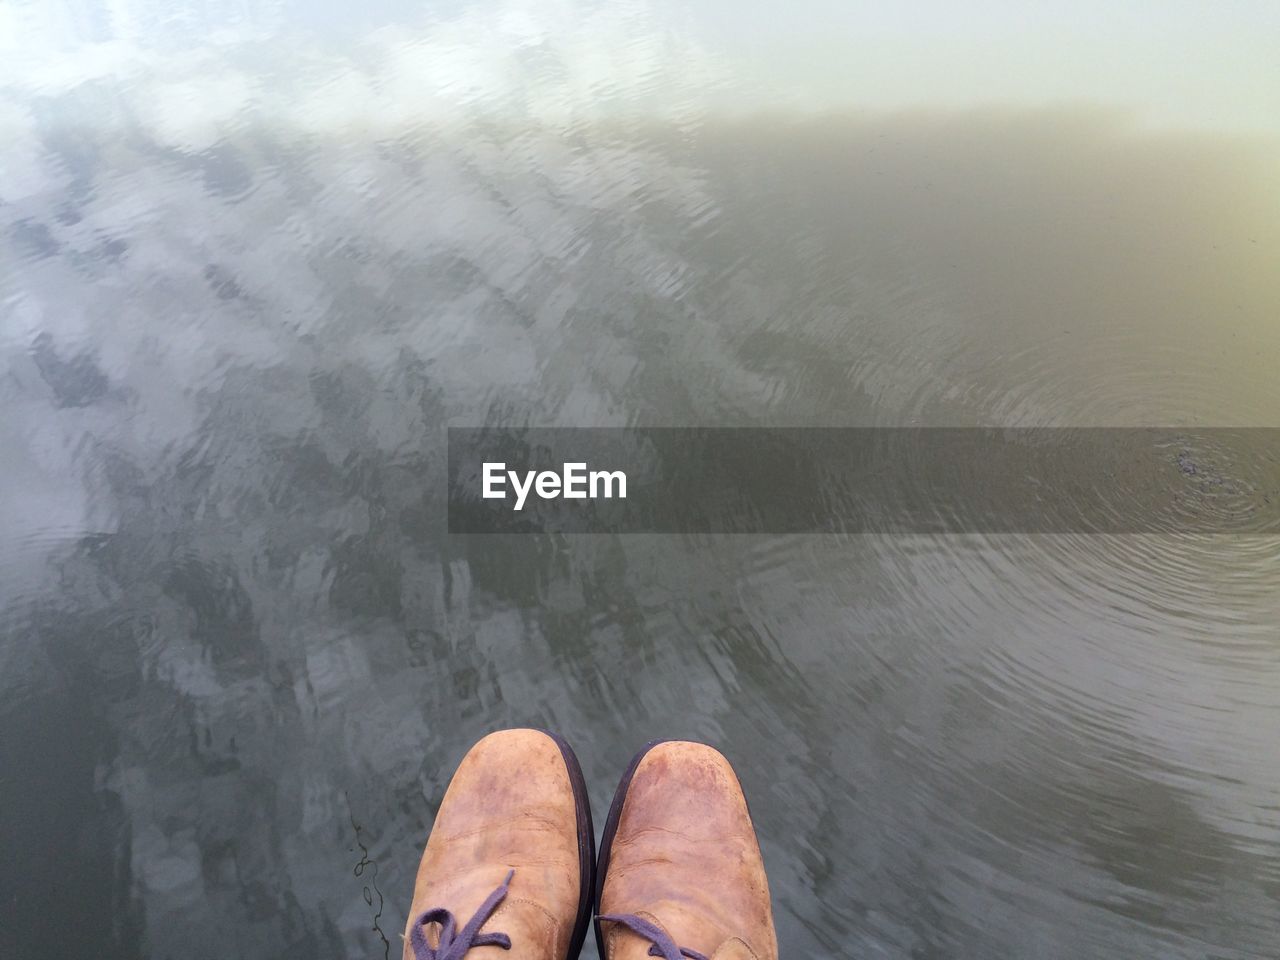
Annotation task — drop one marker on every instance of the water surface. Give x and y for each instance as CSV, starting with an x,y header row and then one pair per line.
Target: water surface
x,y
253,266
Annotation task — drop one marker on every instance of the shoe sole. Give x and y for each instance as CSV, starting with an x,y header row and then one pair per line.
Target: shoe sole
x,y
586,845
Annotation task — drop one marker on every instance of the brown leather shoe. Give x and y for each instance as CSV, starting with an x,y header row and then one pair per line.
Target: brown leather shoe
x,y
509,862
680,872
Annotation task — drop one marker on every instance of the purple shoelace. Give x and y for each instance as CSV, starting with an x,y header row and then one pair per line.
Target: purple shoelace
x,y
454,942
663,945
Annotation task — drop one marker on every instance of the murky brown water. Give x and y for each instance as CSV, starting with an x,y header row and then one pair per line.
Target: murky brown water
x,y
239,656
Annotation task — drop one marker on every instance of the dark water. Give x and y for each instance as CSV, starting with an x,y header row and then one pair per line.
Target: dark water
x,y
240,656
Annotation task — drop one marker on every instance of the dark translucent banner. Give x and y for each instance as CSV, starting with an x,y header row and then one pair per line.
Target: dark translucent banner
x,y
864,480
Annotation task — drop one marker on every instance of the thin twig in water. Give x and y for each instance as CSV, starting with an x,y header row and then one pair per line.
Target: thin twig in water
x,y
366,861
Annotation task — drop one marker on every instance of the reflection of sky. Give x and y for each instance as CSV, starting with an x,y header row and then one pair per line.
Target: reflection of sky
x,y
1178,62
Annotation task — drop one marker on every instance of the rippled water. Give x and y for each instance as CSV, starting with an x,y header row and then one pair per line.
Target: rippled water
x,y
249,276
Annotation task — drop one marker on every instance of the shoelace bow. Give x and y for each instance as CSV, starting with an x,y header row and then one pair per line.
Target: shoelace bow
x,y
454,943
663,945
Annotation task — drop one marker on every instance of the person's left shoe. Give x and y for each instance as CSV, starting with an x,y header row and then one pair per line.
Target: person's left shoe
x,y
508,868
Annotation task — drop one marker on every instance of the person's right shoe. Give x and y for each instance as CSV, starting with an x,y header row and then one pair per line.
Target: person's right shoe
x,y
680,873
